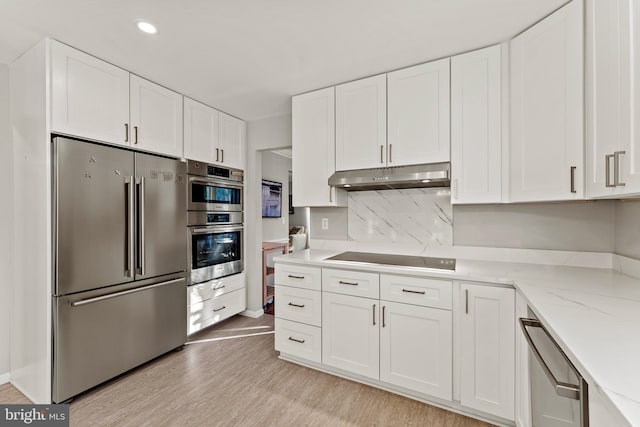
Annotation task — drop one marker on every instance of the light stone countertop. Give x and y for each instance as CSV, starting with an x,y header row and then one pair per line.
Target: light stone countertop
x,y
593,314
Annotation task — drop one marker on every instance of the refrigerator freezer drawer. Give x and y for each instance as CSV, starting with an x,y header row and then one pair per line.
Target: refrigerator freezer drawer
x,y
99,335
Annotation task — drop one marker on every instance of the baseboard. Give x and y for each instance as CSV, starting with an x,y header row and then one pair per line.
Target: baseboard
x,y
4,378
626,265
254,314
27,395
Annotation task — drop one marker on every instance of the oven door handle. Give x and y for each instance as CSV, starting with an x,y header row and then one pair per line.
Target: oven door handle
x,y
215,229
562,389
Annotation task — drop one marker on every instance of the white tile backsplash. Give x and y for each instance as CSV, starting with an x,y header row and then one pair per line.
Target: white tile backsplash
x,y
412,217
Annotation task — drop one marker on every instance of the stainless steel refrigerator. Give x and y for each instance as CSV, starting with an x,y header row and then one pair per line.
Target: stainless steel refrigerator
x,y
120,254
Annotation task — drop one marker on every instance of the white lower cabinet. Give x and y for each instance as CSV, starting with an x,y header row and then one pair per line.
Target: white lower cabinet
x,y
350,334
487,349
298,339
416,348
214,310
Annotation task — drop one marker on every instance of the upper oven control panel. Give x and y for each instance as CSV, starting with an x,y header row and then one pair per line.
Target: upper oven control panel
x,y
214,171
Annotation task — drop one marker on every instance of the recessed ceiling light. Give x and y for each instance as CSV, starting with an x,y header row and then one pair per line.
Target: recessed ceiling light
x,y
146,27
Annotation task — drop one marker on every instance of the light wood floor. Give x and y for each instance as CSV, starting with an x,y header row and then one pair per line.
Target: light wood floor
x,y
240,381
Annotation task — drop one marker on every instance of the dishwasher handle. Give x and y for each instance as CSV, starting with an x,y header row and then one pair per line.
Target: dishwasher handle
x,y
562,389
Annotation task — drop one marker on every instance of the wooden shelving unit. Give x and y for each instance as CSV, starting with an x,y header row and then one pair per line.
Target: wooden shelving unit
x,y
268,250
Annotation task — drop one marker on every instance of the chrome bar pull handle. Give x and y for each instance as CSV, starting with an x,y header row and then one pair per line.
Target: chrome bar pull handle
x,y
381,154
222,155
296,305
126,132
374,314
330,194
217,154
130,267
607,170
220,309
135,133
127,292
291,276
616,169
141,227
466,301
573,179
390,153
296,340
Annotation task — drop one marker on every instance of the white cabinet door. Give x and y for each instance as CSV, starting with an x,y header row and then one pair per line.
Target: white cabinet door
x,y
476,127
89,97
200,132
546,143
156,118
361,123
418,114
523,390
416,348
232,141
351,334
612,96
487,349
313,146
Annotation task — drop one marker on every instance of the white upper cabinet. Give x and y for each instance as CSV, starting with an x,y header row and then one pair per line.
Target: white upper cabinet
x,y
546,141
313,146
487,349
418,114
476,126
89,97
613,94
212,136
361,123
200,132
156,118
231,139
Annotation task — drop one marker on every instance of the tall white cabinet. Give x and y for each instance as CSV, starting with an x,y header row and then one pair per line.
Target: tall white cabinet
x,y
313,144
476,126
546,141
361,123
487,349
418,114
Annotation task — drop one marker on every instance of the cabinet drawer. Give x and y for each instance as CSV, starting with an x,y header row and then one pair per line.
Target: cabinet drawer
x,y
416,290
215,288
298,276
348,282
214,310
298,339
298,305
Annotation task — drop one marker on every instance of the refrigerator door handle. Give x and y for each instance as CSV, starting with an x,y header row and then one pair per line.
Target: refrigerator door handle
x,y
129,291
141,227
130,261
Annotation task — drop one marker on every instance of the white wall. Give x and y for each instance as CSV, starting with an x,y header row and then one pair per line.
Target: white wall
x,y
276,168
571,226
6,224
627,241
265,134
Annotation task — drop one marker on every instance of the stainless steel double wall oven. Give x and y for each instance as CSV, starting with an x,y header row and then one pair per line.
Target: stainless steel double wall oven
x,y
215,221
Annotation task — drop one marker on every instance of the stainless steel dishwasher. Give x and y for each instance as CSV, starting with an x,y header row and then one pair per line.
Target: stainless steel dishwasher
x,y
559,394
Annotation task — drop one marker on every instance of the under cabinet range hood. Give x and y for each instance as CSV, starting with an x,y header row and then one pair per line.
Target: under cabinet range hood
x,y
414,176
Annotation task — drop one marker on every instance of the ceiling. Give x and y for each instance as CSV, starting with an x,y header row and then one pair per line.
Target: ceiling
x,y
247,57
